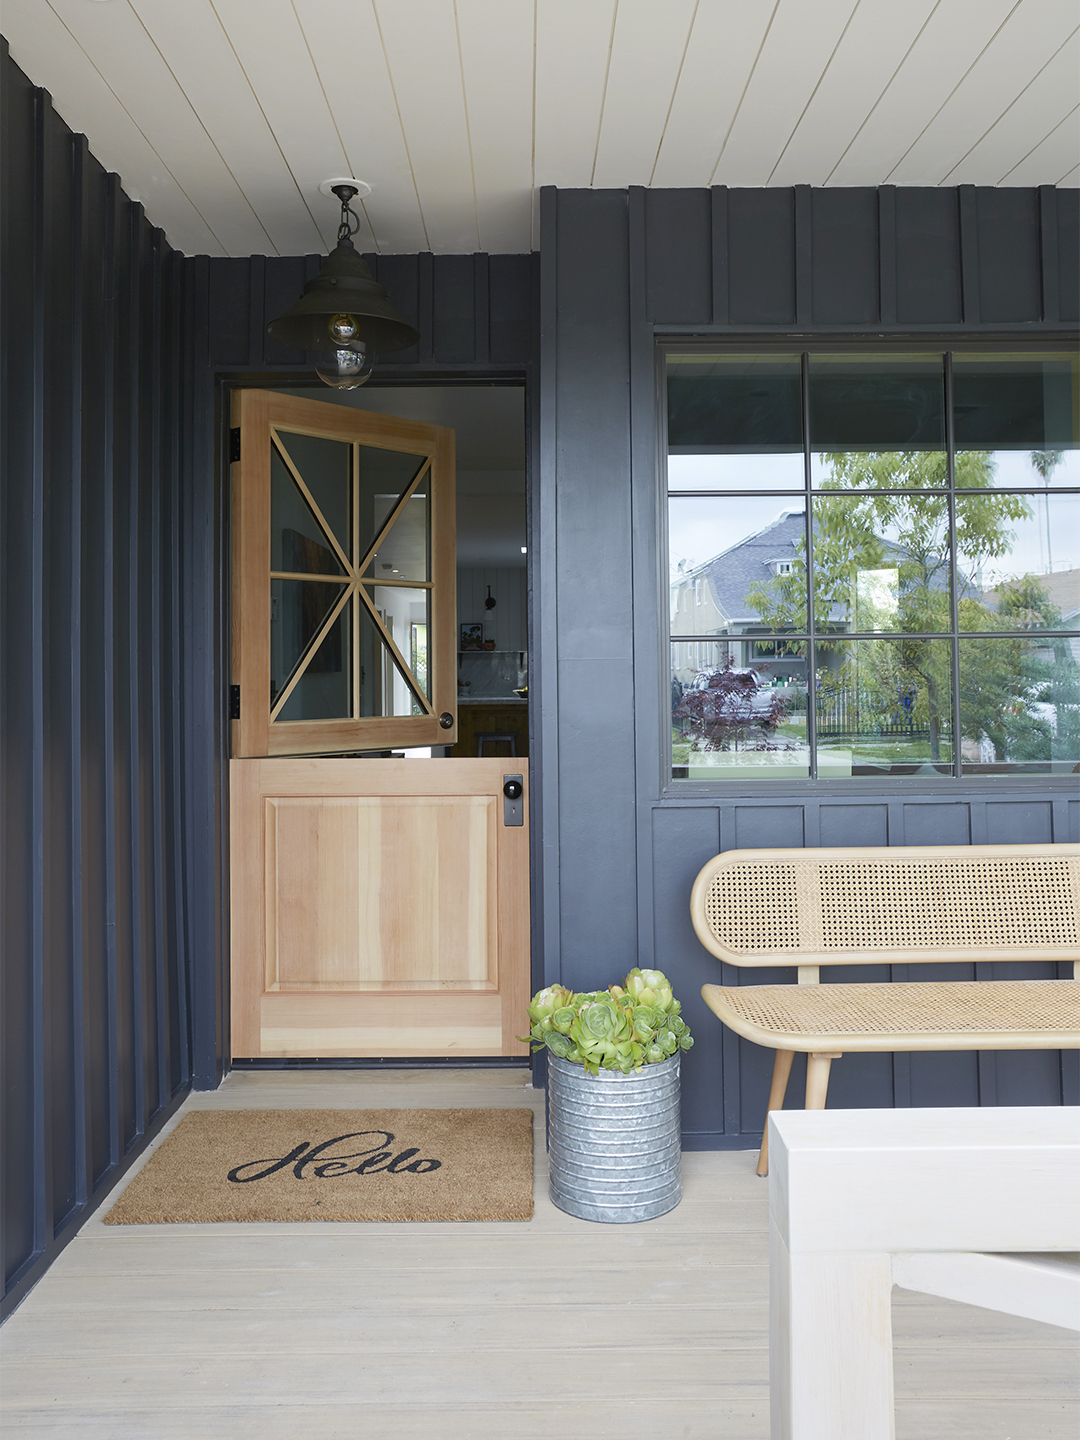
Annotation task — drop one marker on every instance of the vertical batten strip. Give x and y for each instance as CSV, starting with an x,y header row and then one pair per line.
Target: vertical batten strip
x,y
1048,254
804,256
182,360
108,488
80,1008
967,200
887,255
42,1198
157,575
133,858
481,311
721,302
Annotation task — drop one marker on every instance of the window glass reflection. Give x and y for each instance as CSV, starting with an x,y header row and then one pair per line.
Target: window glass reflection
x,y
735,422
1022,553
877,421
881,563
323,466
1020,706
736,721
737,566
405,614
1016,420
884,707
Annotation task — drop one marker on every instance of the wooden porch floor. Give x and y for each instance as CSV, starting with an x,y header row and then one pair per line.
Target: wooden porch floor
x,y
556,1327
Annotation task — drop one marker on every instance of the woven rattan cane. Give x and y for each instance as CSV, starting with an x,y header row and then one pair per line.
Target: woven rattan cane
x,y
946,1015
902,905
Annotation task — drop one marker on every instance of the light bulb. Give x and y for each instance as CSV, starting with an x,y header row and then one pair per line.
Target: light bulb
x,y
344,367
343,328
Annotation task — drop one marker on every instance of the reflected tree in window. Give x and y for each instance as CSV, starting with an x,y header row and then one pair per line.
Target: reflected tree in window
x,y
882,565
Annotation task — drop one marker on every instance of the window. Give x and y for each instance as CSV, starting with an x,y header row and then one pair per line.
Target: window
x,y
890,547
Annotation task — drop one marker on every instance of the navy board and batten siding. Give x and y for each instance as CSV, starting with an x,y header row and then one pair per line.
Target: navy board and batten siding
x,y
96,1035
119,358
621,846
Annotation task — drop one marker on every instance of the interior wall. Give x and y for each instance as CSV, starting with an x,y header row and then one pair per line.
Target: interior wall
x,y
95,1026
619,268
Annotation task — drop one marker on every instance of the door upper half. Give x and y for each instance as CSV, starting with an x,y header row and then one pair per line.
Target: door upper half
x,y
344,580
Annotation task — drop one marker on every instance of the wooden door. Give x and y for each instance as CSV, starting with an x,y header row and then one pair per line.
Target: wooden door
x,y
379,906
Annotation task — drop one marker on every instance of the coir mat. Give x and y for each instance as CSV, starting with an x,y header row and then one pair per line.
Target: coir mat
x,y
246,1165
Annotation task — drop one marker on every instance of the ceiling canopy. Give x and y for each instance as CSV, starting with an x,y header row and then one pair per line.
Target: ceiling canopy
x,y
224,116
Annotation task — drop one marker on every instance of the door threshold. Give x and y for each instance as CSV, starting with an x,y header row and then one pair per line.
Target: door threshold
x,y
423,1062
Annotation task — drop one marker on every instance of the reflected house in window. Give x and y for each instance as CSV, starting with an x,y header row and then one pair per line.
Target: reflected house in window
x,y
713,600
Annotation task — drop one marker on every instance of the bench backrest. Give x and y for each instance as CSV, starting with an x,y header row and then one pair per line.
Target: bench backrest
x,y
890,905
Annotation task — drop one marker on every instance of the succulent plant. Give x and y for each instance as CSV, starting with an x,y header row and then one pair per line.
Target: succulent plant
x,y
621,1028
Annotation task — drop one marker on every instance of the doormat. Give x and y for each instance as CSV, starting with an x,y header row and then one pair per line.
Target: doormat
x,y
336,1165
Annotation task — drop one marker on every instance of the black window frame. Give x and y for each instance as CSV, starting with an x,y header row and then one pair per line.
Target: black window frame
x,y
949,346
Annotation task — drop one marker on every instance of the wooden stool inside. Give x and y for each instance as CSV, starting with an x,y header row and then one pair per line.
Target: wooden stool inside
x,y
496,737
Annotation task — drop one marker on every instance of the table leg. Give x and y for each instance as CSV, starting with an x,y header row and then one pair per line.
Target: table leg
x,y
830,1345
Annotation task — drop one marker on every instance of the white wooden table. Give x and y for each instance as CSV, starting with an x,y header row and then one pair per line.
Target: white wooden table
x,y
861,1200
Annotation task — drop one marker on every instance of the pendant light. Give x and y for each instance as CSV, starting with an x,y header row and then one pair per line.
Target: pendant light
x,y
344,318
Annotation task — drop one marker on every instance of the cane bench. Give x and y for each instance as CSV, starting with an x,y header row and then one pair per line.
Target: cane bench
x,y
895,905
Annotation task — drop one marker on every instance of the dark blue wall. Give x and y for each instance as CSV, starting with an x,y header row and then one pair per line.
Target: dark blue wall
x,y
95,1026
621,846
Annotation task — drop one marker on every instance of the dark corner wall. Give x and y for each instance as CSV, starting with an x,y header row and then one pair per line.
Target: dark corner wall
x,y
119,358
618,269
95,1027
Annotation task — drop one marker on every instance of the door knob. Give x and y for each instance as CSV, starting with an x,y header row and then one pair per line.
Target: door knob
x,y
446,720
513,790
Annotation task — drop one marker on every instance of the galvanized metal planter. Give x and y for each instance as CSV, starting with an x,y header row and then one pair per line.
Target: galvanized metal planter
x,y
614,1147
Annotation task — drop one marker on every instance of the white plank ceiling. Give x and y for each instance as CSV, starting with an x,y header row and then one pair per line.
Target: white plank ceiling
x,y
223,116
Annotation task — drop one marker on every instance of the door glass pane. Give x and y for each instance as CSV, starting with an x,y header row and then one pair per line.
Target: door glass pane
x,y
405,611
298,543
734,422
734,720
1020,706
384,685
404,553
298,609
324,689
1020,556
1017,420
384,477
736,565
884,707
877,422
881,563
324,467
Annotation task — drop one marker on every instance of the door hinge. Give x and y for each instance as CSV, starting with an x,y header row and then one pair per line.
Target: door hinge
x,y
234,702
234,444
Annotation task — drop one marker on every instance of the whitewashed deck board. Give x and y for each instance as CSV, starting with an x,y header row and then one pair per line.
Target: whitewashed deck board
x,y
468,1332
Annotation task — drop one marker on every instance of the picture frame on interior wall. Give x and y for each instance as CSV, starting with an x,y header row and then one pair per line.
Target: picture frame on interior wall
x,y
472,636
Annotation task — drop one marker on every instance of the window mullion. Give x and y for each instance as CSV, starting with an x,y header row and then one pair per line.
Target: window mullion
x,y
811,649
954,598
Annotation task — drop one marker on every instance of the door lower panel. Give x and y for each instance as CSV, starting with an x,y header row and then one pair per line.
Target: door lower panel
x,y
379,908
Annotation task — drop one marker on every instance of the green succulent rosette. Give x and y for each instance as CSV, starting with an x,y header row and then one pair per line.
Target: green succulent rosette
x,y
621,1028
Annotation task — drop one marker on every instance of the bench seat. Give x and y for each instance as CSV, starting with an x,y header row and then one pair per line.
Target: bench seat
x,y
932,1015
892,905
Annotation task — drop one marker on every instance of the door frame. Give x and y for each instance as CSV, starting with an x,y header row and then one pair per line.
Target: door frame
x,y
210,973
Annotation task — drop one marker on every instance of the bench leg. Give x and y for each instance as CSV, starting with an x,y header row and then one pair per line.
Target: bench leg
x,y
781,1071
817,1078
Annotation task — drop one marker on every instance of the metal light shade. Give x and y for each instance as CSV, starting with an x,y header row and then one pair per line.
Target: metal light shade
x,y
344,285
